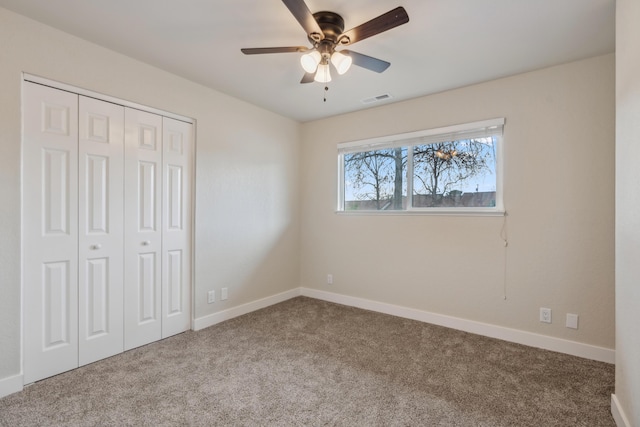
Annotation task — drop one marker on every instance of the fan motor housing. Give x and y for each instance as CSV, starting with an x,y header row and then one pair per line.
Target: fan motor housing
x,y
331,23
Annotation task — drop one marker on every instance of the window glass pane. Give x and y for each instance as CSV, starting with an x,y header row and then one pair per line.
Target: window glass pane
x,y
375,180
455,173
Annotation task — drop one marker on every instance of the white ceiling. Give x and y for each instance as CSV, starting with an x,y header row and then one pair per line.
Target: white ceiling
x,y
446,44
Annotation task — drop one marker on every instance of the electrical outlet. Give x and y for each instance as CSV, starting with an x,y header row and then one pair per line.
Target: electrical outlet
x,y
329,279
545,315
572,321
224,293
211,297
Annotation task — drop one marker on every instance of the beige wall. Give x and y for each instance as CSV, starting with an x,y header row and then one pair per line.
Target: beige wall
x,y
246,173
627,209
559,194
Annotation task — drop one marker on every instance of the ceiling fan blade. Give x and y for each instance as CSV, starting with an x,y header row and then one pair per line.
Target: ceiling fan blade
x,y
261,50
308,78
301,12
382,23
368,62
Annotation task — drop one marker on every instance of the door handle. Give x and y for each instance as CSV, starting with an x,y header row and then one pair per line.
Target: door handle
x,y
146,243
96,246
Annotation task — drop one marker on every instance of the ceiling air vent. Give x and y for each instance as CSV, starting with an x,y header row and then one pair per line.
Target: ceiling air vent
x,y
378,98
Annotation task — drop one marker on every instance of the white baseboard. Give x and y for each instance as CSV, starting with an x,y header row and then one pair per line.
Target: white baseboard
x,y
507,334
573,348
221,316
618,413
11,385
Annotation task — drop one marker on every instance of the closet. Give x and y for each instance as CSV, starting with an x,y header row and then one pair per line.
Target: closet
x,y
106,211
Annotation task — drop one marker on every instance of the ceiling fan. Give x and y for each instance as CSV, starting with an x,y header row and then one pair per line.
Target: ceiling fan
x,y
325,31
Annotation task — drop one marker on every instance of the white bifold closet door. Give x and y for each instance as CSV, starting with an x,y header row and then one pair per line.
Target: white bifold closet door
x,y
157,227
101,233
176,226
106,229
50,231
143,228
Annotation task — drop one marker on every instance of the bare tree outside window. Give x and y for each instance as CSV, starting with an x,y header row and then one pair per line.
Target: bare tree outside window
x,y
445,173
376,179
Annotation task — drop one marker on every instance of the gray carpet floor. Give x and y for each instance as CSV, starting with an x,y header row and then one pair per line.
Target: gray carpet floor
x,y
306,362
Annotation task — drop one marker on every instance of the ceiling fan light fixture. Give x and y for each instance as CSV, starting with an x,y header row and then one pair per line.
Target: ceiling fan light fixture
x,y
341,61
310,61
323,75
325,31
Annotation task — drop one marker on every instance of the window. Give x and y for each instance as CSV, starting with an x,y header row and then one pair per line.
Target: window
x,y
455,170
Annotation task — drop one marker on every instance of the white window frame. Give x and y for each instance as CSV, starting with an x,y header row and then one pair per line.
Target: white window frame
x,y
491,127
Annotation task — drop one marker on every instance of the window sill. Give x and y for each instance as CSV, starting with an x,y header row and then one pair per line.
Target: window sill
x,y
429,212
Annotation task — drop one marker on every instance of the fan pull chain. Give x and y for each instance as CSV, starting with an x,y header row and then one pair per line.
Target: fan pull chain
x,y
326,89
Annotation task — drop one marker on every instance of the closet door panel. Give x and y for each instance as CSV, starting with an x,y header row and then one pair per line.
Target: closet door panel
x,y
50,238
176,226
143,228
101,229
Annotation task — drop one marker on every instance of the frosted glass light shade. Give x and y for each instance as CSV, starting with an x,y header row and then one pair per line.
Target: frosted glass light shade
x,y
310,61
341,61
323,75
